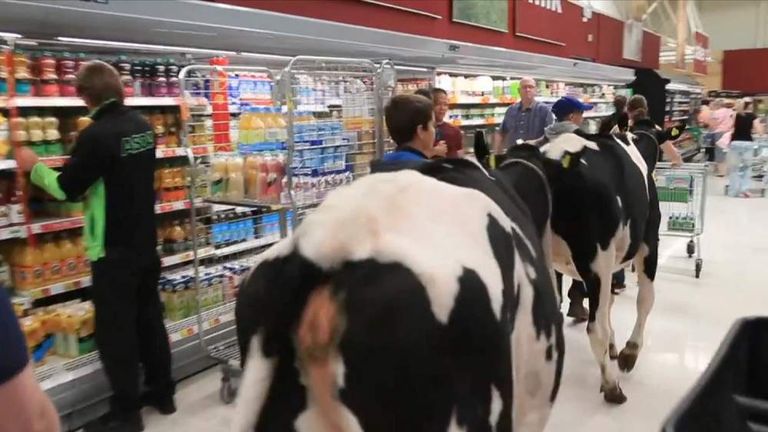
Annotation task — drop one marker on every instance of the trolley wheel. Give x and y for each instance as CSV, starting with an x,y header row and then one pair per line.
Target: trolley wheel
x,y
699,264
227,392
690,248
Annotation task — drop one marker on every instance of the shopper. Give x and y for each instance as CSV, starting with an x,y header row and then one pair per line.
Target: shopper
x,y
445,132
525,120
639,120
720,126
113,165
741,149
411,123
23,404
619,120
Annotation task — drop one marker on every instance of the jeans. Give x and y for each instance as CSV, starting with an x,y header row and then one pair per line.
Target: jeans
x,y
739,171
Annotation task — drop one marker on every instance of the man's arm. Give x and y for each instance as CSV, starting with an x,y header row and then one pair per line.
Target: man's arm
x,y
501,136
23,405
87,164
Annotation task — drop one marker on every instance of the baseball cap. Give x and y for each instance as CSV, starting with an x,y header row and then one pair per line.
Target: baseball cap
x,y
568,105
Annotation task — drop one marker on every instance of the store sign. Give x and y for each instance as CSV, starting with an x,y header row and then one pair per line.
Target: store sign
x,y
700,53
541,20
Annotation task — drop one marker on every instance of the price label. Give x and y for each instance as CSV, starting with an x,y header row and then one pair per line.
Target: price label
x,y
214,322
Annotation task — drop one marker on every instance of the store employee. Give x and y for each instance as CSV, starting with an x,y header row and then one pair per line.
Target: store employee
x,y
113,165
524,120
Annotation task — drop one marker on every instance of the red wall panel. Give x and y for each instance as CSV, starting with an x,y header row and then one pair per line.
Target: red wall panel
x,y
605,46
746,70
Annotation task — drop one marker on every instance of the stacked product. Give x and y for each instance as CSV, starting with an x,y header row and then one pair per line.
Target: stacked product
x,y
65,330
53,260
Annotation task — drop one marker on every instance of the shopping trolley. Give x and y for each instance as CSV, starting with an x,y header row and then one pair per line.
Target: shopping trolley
x,y
682,196
757,163
732,393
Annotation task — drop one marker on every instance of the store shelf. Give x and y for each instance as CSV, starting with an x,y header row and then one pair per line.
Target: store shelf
x,y
13,232
246,203
174,206
244,246
211,319
59,102
53,162
478,123
170,152
55,225
185,257
57,288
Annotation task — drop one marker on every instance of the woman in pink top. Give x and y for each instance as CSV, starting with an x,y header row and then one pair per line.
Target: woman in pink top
x,y
720,127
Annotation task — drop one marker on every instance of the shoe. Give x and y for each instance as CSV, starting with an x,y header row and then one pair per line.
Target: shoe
x,y
111,422
618,288
165,405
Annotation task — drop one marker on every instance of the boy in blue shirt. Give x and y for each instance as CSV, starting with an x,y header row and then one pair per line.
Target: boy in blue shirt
x,y
411,124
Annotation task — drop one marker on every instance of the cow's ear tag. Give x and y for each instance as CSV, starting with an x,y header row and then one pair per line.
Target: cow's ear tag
x,y
675,132
566,160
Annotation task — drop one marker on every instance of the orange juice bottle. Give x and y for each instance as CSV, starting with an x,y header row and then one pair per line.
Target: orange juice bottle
x,y
51,261
24,259
83,266
68,254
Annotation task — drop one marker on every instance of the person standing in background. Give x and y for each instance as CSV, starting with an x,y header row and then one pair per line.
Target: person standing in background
x,y
741,147
720,125
445,132
113,165
525,120
24,406
618,122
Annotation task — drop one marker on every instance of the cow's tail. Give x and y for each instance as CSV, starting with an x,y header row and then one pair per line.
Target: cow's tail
x,y
317,340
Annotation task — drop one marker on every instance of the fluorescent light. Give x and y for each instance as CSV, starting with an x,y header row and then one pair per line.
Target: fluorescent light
x,y
265,56
9,35
411,68
26,42
131,45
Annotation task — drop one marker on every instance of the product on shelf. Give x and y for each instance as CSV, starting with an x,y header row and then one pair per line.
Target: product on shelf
x,y
5,137
174,234
67,68
410,85
50,261
65,330
685,222
171,180
22,74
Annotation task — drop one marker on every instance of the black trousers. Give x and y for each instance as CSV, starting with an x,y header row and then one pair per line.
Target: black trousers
x,y
129,327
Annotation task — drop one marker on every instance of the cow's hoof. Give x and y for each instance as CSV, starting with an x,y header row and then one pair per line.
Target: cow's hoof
x,y
628,357
578,312
614,394
612,353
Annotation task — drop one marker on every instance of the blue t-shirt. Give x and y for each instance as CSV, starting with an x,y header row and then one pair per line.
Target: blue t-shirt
x,y
404,154
13,351
526,124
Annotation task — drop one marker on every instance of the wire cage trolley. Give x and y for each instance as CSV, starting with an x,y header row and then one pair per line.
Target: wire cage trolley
x,y
682,196
235,134
756,162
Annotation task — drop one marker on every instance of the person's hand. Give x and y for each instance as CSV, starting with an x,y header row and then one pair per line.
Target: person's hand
x,y
440,149
677,161
25,158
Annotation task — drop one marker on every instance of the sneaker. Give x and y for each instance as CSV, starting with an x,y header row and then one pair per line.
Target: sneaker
x,y
578,312
111,422
165,405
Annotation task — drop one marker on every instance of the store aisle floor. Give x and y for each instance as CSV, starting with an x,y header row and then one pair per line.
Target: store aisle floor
x,y
686,326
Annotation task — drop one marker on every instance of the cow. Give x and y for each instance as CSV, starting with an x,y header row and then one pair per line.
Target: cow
x,y
605,216
417,300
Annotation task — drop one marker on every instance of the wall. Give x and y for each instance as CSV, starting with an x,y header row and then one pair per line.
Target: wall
x,y
746,70
735,24
598,39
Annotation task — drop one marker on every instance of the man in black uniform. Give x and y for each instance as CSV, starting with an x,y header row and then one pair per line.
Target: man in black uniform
x,y
113,166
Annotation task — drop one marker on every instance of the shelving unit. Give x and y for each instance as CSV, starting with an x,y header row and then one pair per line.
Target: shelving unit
x,y
682,101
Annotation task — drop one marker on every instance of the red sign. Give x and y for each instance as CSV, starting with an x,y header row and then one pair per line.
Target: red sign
x,y
701,53
541,20
432,8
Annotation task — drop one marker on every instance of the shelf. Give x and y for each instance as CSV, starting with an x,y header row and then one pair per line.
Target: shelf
x,y
54,162
247,203
55,225
188,327
170,152
246,245
12,232
478,123
185,257
61,102
174,206
57,288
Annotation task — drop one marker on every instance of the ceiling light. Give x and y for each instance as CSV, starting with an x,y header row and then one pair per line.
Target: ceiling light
x,y
26,42
411,68
9,35
131,45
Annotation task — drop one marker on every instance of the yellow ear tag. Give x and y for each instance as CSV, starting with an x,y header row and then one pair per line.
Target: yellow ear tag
x,y
675,132
566,160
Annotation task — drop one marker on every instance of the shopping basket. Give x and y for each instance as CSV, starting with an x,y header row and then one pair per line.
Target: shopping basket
x,y
732,394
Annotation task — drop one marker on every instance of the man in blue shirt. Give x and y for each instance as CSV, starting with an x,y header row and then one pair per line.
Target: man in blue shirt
x,y
524,120
411,124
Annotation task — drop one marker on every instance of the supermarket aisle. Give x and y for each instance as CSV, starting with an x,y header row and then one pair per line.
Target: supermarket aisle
x,y
685,328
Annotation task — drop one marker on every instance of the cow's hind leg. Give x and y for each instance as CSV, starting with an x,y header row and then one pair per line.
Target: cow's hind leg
x,y
645,263
613,353
598,282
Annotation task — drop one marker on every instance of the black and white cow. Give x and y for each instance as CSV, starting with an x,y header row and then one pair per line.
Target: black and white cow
x,y
444,313
605,216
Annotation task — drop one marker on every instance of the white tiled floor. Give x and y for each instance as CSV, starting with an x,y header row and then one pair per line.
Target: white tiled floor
x,y
685,328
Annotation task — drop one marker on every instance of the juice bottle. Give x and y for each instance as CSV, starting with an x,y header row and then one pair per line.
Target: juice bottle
x,y
245,131
271,130
83,266
282,126
172,130
176,236
67,67
258,127
36,136
218,177
68,255
5,137
172,74
51,261
15,208
251,177
52,136
235,182
36,266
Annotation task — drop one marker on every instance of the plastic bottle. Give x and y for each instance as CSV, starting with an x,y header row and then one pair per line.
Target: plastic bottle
x,y
245,134
272,127
235,181
159,81
5,137
172,75
52,136
68,254
15,208
51,261
176,237
5,274
83,265
258,127
251,177
49,85
124,67
36,136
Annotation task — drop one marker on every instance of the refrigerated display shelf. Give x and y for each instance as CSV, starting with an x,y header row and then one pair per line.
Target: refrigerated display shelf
x,y
175,206
188,327
247,245
59,102
246,203
184,257
55,225
57,288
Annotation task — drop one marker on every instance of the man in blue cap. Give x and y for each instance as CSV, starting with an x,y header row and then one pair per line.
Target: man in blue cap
x,y
569,114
